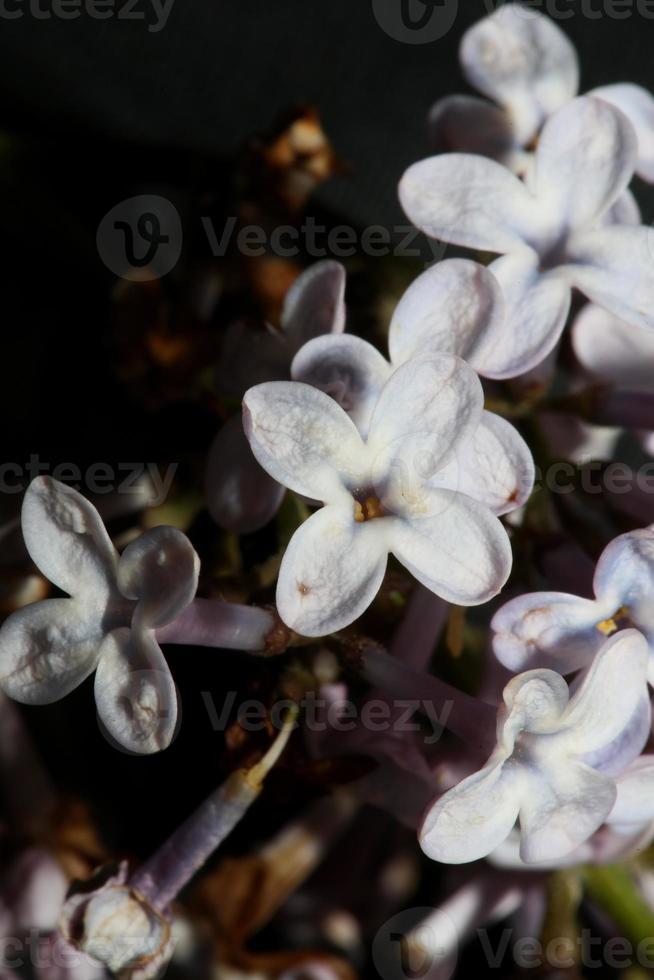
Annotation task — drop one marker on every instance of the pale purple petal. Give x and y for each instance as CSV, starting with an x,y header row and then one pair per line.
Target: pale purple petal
x,y
315,304
160,569
625,211
466,124
638,106
624,576
614,351
635,800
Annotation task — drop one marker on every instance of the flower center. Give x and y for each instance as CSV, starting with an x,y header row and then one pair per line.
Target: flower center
x,y
368,509
611,625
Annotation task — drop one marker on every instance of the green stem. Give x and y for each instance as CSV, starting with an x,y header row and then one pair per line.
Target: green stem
x,y
615,890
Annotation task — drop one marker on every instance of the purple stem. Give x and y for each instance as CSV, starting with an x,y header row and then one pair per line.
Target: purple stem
x,y
416,637
212,623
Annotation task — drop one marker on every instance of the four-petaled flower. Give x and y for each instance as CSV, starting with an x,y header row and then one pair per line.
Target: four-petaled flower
x,y
108,624
554,762
405,489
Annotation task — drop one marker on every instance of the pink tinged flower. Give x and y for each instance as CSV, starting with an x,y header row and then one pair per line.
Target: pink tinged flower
x,y
562,631
241,497
107,625
548,229
378,492
553,767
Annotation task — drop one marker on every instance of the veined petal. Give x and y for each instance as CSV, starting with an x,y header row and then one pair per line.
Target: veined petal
x,y
456,548
548,629
348,369
561,808
160,569
455,307
522,60
241,497
638,106
303,439
614,267
466,124
469,200
585,158
635,800
613,350
67,540
48,648
135,693
315,303
537,306
474,817
494,466
331,571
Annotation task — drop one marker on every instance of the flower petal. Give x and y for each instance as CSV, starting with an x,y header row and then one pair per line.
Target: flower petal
x,y
331,571
135,693
466,124
303,439
494,466
241,497
537,306
638,106
48,648
625,211
468,200
67,540
315,303
348,369
614,267
635,800
585,158
475,817
534,702
548,629
624,576
522,60
457,548
160,569
455,307
613,350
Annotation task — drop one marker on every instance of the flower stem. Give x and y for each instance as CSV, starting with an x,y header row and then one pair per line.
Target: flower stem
x,y
212,623
415,638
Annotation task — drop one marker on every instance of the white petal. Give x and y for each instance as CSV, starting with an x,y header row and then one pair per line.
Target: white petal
x,y
561,808
625,211
638,106
135,692
614,267
303,439
635,800
613,350
241,497
315,303
537,306
534,702
455,307
426,410
67,540
465,124
624,576
348,369
474,817
585,159
331,571
469,200
48,648
522,60
494,466
161,570
457,548
548,629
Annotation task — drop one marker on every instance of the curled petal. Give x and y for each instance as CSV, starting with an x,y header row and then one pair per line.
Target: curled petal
x,y
638,106
161,570
348,369
613,350
135,693
48,648
456,548
315,303
585,159
535,701
331,571
473,818
522,60
548,629
303,439
67,540
624,575
241,497
469,200
455,307
465,124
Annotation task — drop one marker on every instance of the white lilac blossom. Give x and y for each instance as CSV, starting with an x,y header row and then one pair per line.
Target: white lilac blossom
x,y
548,230
554,764
403,489
108,624
563,631
526,65
241,497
